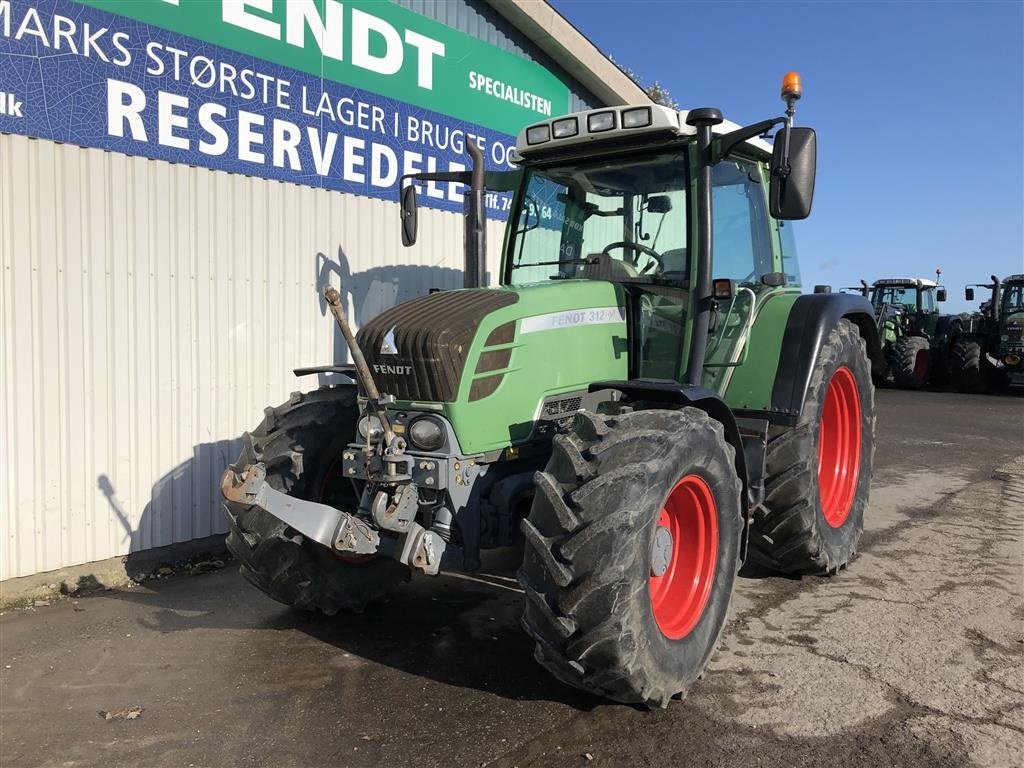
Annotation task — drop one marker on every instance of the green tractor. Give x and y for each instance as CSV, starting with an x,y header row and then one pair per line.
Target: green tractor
x,y
914,335
645,401
988,346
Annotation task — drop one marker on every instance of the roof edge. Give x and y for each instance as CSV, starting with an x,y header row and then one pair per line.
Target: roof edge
x,y
571,50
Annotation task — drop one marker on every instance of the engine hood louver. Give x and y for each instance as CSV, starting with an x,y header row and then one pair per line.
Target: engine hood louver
x,y
418,350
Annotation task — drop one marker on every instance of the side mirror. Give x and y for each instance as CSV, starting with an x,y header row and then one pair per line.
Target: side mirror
x,y
790,197
940,294
409,215
969,294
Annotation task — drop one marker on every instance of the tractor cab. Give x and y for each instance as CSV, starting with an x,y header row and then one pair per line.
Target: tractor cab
x,y
1013,297
905,307
911,295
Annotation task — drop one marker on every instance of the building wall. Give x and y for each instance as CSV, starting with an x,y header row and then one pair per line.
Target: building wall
x,y
141,336
150,310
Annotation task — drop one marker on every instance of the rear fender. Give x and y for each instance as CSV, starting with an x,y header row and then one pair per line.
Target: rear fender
x,y
811,319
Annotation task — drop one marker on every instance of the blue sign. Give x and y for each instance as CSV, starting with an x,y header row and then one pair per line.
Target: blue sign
x,y
79,75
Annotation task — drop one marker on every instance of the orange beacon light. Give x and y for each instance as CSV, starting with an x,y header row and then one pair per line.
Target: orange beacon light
x,y
791,86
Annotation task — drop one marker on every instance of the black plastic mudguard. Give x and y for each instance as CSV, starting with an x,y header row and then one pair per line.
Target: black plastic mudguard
x,y
811,319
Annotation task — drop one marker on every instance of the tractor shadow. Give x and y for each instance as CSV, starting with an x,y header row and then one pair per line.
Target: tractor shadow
x,y
458,630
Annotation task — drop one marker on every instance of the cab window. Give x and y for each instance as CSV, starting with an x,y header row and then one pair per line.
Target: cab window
x,y
742,248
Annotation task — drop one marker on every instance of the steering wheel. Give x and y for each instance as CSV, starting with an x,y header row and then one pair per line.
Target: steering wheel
x,y
639,248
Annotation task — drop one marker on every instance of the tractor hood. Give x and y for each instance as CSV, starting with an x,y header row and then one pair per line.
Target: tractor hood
x,y
494,359
418,350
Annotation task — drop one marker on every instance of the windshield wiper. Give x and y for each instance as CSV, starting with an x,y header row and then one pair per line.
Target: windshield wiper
x,y
551,263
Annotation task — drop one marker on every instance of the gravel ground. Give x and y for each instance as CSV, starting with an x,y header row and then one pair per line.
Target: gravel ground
x,y
911,657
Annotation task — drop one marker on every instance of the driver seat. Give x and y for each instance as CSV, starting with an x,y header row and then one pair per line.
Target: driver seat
x,y
604,267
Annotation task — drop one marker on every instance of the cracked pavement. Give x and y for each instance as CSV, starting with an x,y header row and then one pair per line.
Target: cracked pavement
x,y
914,656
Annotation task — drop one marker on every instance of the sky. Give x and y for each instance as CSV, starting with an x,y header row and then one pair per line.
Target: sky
x,y
918,108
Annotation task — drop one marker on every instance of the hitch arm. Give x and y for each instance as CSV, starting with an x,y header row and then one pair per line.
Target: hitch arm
x,y
326,525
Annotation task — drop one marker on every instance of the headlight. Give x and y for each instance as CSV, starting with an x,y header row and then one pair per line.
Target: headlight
x,y
371,428
563,129
426,433
601,121
636,118
538,134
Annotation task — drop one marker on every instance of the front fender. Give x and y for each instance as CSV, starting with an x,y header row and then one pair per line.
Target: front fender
x,y
790,336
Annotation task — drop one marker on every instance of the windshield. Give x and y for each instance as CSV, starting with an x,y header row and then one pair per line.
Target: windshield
x,y
1013,298
905,296
622,220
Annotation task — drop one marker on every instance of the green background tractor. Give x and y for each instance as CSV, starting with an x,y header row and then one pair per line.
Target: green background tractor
x,y
645,401
988,346
914,334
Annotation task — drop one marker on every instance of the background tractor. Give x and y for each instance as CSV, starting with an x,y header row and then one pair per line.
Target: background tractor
x,y
914,335
644,401
988,345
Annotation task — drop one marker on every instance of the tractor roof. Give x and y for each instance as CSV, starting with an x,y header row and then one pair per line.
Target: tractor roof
x,y
617,123
905,281
1014,279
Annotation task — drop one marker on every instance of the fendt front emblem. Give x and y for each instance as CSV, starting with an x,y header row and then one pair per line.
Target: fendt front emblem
x,y
388,346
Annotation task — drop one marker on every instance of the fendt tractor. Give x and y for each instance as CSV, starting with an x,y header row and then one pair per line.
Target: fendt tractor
x,y
914,334
988,348
645,400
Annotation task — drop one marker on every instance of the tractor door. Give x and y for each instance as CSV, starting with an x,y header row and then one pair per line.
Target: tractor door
x,y
743,254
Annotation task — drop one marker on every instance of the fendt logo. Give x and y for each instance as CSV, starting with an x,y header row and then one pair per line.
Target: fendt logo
x,y
9,105
394,370
388,346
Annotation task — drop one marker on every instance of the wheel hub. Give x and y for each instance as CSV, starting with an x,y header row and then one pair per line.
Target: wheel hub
x,y
661,551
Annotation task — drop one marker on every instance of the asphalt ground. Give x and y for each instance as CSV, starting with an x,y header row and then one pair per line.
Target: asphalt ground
x,y
911,657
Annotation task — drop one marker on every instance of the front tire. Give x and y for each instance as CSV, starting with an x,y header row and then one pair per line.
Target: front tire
x,y
966,370
818,473
911,358
632,548
300,444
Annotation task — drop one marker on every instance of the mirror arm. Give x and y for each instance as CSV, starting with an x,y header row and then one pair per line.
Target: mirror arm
x,y
731,140
460,177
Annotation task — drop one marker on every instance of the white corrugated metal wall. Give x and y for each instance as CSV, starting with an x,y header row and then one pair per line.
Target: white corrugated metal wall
x,y
150,311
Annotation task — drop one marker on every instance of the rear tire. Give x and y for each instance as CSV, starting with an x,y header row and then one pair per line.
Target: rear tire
x,y
604,619
819,472
966,371
910,357
300,444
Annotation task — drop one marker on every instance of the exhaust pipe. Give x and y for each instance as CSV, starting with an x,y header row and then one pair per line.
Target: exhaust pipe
x,y
994,309
475,268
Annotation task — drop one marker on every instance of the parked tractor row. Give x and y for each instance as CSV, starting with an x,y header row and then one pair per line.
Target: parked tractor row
x,y
974,351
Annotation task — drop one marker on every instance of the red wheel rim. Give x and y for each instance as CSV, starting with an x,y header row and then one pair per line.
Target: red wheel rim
x,y
680,594
921,365
839,447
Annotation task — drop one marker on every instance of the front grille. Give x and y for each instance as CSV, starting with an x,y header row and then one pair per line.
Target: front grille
x,y
560,410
